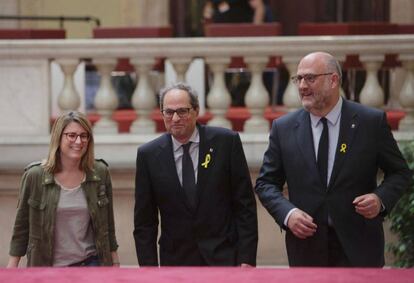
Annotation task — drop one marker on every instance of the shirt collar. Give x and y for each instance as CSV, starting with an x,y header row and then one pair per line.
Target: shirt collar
x,y
332,116
195,138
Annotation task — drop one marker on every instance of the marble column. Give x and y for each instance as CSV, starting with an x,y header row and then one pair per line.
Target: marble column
x,y
143,100
291,99
372,93
106,100
68,98
257,97
407,94
218,99
180,67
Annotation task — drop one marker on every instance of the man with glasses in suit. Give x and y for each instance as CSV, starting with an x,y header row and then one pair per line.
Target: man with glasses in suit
x,y
329,154
196,180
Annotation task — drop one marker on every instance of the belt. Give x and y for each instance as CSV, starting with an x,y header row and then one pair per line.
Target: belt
x,y
86,261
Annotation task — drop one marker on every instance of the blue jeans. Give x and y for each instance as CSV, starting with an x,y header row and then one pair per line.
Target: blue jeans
x,y
90,261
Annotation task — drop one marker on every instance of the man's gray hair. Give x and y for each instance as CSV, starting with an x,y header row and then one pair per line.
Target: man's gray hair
x,y
333,65
181,86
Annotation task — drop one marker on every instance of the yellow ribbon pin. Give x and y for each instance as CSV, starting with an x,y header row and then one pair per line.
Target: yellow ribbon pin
x,y
206,160
343,148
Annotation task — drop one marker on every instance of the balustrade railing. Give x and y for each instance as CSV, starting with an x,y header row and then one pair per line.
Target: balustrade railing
x,y
25,77
217,53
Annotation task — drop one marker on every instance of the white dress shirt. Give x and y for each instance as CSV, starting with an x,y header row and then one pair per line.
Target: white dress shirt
x,y
334,118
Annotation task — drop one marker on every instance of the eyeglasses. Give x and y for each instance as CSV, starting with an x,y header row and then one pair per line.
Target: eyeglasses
x,y
181,112
309,78
72,137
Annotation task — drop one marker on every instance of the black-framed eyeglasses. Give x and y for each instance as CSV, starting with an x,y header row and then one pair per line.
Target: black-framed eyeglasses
x,y
181,112
309,78
72,137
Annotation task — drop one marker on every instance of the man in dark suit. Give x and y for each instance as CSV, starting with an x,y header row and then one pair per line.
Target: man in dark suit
x,y
196,177
329,154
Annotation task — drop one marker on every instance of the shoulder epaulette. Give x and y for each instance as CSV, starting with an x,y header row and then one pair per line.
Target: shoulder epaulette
x,y
35,163
103,161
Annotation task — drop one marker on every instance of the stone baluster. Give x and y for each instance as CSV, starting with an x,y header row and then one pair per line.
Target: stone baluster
x,y
106,100
144,99
291,99
218,99
341,59
395,88
257,97
69,98
180,66
372,93
407,94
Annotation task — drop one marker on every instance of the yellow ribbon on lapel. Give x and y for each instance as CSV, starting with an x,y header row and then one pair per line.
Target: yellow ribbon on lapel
x,y
206,160
343,148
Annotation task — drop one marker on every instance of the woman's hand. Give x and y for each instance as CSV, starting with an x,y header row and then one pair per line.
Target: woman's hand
x,y
13,262
115,259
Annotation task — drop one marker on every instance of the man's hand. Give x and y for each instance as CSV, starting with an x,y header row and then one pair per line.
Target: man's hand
x,y
246,265
368,205
301,224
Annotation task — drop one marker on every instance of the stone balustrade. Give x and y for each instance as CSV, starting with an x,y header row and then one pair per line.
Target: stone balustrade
x,y
25,82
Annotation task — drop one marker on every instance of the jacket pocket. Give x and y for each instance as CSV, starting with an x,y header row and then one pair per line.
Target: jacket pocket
x,y
36,204
36,218
102,214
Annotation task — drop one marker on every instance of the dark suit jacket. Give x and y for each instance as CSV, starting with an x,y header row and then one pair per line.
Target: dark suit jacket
x,y
367,145
223,228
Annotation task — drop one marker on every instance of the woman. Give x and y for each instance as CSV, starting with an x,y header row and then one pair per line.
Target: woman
x,y
65,214
262,12
237,11
227,11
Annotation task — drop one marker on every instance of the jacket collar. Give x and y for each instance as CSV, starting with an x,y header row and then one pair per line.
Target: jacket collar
x,y
304,134
91,176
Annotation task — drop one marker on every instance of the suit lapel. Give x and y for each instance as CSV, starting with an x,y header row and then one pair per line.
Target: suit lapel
x,y
206,156
304,139
348,127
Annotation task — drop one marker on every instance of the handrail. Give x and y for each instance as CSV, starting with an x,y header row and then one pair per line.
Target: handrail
x,y
61,19
285,46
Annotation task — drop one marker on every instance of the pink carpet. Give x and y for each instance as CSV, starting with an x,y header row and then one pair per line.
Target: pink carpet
x,y
207,275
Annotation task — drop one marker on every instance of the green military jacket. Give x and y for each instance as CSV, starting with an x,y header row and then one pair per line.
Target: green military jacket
x,y
33,232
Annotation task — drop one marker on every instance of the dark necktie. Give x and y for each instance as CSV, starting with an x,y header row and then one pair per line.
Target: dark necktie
x,y
323,153
189,184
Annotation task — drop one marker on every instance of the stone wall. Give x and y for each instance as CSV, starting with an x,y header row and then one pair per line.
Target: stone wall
x,y
112,13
